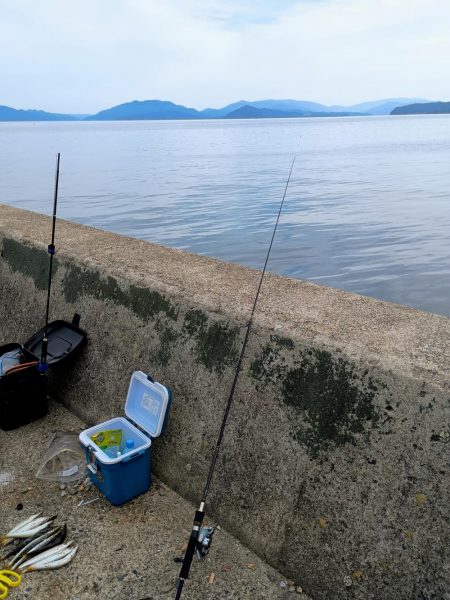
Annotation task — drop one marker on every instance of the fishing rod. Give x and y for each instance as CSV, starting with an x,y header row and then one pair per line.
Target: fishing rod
x,y
43,366
197,536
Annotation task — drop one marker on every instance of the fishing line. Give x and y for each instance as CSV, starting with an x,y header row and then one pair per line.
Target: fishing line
x,y
51,250
200,513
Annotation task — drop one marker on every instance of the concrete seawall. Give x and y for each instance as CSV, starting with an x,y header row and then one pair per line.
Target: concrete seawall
x,y
335,461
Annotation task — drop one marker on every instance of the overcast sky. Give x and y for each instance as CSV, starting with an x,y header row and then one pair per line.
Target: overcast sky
x,y
85,55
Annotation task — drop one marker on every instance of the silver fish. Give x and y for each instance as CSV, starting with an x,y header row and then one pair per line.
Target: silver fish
x,y
6,539
27,529
54,563
26,522
57,550
41,541
49,557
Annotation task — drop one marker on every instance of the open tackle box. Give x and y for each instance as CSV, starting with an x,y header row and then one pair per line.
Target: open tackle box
x,y
122,476
23,388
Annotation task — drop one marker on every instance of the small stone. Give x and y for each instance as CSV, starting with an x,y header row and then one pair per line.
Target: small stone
x,y
62,486
283,584
299,589
211,578
421,499
250,566
81,488
26,490
63,493
348,581
72,491
323,522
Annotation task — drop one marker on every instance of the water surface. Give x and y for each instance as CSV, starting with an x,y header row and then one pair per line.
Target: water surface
x,y
367,209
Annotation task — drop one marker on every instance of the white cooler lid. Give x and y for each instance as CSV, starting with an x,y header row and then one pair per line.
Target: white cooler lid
x,y
146,403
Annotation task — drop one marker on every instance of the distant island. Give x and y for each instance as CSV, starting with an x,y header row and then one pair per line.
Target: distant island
x,y
139,110
252,112
423,108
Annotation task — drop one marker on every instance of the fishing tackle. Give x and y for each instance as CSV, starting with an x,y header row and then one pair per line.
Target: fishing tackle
x,y
204,541
194,540
23,368
43,365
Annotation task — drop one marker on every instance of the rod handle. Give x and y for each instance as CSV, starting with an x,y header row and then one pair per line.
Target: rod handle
x,y
190,550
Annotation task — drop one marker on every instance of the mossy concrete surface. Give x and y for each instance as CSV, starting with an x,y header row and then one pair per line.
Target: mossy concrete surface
x,y
334,462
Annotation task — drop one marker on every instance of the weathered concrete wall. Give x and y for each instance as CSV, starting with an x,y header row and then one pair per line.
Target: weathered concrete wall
x,y
334,465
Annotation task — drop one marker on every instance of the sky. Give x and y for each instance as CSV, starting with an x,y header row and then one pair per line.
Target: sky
x,y
86,55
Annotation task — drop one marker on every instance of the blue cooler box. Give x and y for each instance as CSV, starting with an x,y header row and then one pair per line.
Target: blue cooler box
x,y
128,475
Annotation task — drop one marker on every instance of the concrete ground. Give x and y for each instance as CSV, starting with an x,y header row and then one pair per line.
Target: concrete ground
x,y
128,552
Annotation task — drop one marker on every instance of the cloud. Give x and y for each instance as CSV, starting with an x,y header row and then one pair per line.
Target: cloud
x,y
83,56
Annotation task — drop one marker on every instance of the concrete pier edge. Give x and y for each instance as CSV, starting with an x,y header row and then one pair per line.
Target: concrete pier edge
x,y
334,466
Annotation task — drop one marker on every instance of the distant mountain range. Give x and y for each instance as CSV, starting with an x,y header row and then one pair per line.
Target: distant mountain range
x,y
244,109
249,111
258,109
428,108
12,114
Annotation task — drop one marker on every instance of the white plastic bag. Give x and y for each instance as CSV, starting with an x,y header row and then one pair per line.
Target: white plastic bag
x,y
64,460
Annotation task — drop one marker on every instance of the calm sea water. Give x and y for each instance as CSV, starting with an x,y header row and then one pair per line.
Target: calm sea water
x,y
367,209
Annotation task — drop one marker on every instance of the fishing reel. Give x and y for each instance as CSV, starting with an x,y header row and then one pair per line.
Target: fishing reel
x,y
204,541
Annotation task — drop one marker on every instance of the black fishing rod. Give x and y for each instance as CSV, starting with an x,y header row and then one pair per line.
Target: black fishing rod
x,y
194,540
43,366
